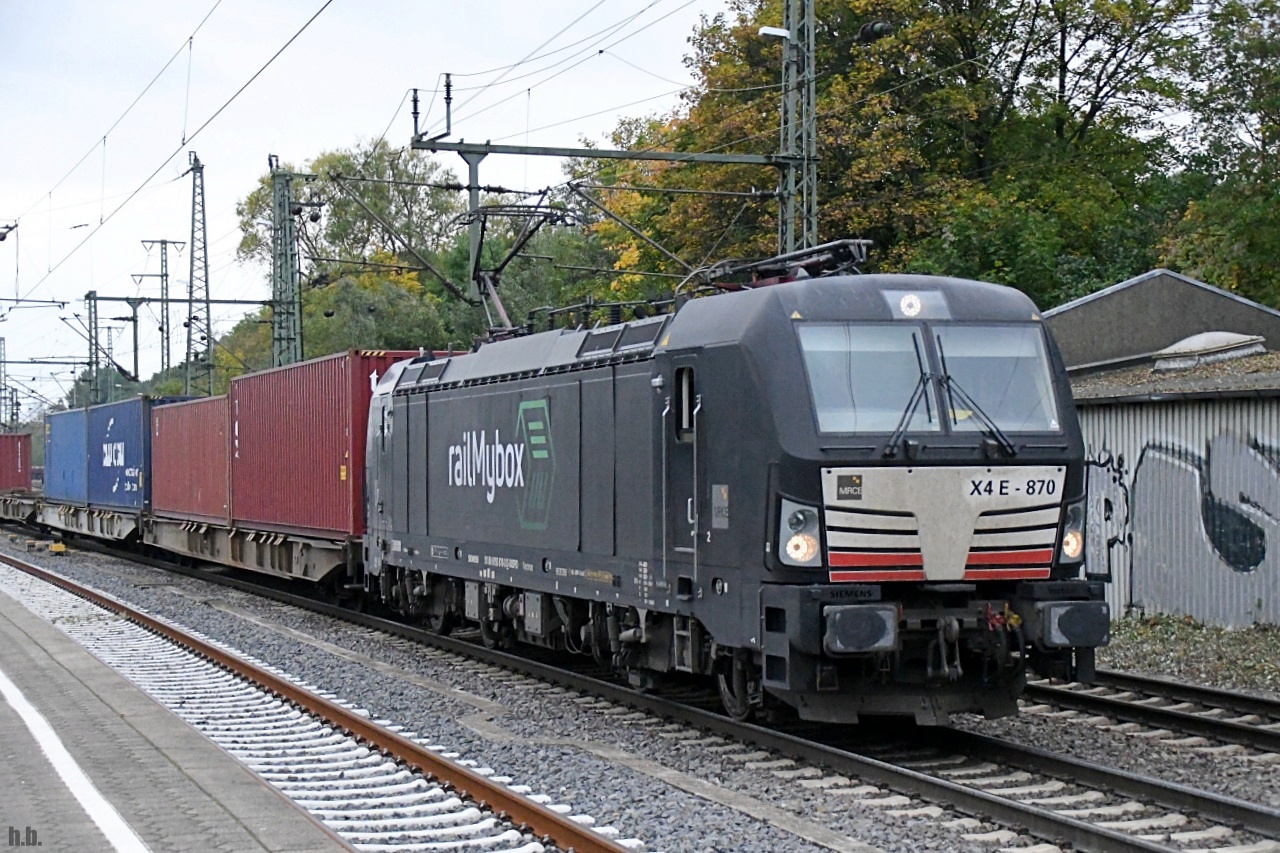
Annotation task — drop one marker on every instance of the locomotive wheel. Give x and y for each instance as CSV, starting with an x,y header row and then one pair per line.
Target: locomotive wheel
x,y
495,635
735,691
600,635
441,623
438,615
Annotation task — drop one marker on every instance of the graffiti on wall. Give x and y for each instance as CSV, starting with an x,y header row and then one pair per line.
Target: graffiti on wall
x,y
1191,530
1107,530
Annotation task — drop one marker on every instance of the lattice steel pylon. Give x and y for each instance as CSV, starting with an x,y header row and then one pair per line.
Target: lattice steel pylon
x,y
286,293
800,127
95,387
198,377
166,357
4,386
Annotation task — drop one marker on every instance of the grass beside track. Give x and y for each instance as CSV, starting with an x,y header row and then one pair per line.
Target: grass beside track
x,y
1179,647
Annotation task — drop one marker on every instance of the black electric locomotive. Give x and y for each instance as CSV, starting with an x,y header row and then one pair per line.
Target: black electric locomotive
x,y
849,495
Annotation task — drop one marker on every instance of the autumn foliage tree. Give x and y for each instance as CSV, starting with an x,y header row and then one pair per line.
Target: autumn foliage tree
x,y
1020,142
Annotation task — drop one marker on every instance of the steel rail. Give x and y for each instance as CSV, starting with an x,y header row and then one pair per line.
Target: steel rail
x,y
1230,731
1041,822
1257,818
549,825
1181,692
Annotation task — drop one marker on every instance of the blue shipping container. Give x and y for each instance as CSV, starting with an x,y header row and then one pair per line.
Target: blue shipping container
x,y
65,454
119,453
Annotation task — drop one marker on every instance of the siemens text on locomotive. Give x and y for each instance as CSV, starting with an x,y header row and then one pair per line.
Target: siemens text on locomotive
x,y
836,496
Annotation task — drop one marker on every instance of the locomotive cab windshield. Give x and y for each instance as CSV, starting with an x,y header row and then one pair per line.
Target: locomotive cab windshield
x,y
867,378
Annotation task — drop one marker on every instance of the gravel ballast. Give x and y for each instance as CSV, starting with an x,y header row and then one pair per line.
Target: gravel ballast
x,y
1185,650
593,762
705,802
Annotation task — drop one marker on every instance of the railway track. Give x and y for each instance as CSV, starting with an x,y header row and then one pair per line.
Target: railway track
x,y
1159,703
378,788
1052,797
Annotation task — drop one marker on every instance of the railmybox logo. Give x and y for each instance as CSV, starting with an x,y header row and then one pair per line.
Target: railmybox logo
x,y
492,464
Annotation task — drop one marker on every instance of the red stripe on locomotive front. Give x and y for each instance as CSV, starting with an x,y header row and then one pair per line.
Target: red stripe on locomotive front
x,y
1021,573
986,558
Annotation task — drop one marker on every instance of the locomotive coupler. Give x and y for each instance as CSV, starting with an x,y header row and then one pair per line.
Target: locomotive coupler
x,y
947,648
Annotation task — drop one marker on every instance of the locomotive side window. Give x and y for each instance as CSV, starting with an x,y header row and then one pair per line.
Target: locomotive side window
x,y
685,402
863,376
1004,370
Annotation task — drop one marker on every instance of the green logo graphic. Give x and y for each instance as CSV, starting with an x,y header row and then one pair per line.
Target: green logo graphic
x,y
533,423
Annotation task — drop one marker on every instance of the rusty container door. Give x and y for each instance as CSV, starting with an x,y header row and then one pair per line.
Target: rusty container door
x,y
190,459
15,462
298,444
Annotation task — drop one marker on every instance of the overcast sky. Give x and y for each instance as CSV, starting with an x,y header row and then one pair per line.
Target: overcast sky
x,y
69,69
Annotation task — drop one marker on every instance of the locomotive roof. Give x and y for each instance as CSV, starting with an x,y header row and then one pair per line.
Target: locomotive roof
x,y
553,351
724,318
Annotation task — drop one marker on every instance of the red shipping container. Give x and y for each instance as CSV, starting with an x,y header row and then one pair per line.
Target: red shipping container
x,y
190,458
15,462
297,443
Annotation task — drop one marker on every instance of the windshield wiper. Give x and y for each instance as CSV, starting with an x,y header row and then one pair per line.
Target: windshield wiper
x,y
917,394
920,391
954,390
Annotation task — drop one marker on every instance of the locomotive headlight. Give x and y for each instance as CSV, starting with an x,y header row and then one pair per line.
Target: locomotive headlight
x,y
1073,545
799,535
1072,548
802,548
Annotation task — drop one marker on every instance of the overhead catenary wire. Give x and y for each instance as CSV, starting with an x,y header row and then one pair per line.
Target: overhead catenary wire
x,y
533,52
178,150
551,77
579,62
127,110
609,28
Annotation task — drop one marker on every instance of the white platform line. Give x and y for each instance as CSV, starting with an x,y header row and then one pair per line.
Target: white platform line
x,y
113,826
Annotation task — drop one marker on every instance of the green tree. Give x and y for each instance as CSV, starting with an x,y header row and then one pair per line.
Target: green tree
x,y
1230,233
411,192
